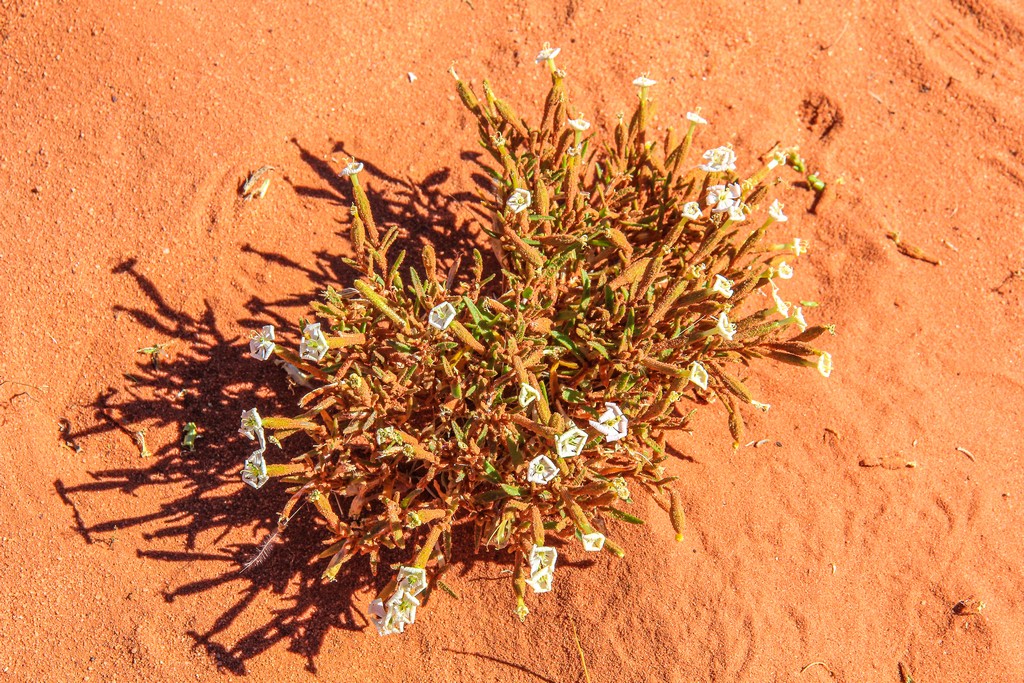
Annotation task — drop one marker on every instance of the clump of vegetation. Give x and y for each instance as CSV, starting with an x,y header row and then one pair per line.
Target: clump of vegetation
x,y
530,400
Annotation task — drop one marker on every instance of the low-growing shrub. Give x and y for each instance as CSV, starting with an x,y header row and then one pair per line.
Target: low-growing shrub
x,y
528,400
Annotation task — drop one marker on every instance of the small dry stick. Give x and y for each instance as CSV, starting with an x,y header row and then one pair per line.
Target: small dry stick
x,y
42,389
1016,274
837,38
967,453
250,190
579,648
889,462
821,664
911,250
140,439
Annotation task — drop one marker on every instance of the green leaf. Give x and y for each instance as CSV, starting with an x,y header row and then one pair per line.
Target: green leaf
x,y
625,516
490,496
512,445
599,348
407,501
491,473
460,435
571,395
627,381
399,346
447,589
562,339
478,317
407,375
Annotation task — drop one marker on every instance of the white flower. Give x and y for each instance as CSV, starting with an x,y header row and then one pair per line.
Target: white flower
x,y
719,159
579,124
413,580
723,286
441,316
801,322
527,395
781,306
382,618
540,582
314,344
296,375
778,159
541,470
723,197
542,557
784,270
570,443
736,213
262,343
352,168
724,327
402,609
620,488
252,424
775,211
519,200
252,427
799,246
612,423
695,117
825,363
592,542
393,617
691,211
547,53
698,375
642,81
763,407
254,472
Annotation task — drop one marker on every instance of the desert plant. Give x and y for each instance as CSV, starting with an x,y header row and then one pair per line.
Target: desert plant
x,y
527,400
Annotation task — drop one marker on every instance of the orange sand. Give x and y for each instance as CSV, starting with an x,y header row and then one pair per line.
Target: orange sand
x,y
127,128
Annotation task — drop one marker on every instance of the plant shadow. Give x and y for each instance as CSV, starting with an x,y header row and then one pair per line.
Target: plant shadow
x,y
198,379
422,209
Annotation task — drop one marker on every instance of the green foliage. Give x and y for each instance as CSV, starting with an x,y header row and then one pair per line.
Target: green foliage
x,y
632,286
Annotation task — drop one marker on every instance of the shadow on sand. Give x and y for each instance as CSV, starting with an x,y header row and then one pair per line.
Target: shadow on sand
x,y
203,384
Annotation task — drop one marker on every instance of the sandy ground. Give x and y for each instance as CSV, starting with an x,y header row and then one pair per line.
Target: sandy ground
x,y
127,128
